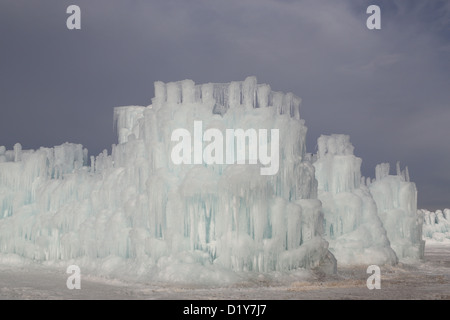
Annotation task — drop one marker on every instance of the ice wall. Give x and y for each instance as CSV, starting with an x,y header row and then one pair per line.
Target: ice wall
x,y
137,211
436,225
352,226
23,173
396,199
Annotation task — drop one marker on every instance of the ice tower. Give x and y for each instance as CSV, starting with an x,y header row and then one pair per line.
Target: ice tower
x,y
396,199
352,226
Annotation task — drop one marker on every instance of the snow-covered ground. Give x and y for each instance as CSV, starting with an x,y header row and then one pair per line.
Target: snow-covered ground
x,y
429,279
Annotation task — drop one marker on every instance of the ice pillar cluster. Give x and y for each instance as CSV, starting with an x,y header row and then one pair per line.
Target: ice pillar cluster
x,y
436,225
352,226
366,220
396,199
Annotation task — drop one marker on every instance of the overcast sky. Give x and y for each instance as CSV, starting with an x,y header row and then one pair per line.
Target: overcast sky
x,y
388,89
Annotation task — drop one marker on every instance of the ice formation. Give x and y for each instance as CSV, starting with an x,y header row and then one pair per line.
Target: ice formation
x,y
137,211
366,220
436,225
396,199
355,232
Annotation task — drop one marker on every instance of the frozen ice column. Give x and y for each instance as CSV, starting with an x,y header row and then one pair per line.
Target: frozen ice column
x,y
246,94
396,199
352,226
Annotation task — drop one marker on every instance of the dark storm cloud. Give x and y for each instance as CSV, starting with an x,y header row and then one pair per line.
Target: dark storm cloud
x,y
387,89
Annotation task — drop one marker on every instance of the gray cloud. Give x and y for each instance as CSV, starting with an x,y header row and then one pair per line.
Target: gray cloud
x,y
387,89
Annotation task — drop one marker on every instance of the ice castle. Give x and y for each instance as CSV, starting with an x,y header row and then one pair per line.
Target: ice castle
x,y
136,212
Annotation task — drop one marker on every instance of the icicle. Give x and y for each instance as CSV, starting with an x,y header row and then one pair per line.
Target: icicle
x,y
262,95
17,152
188,91
249,92
173,92
234,94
